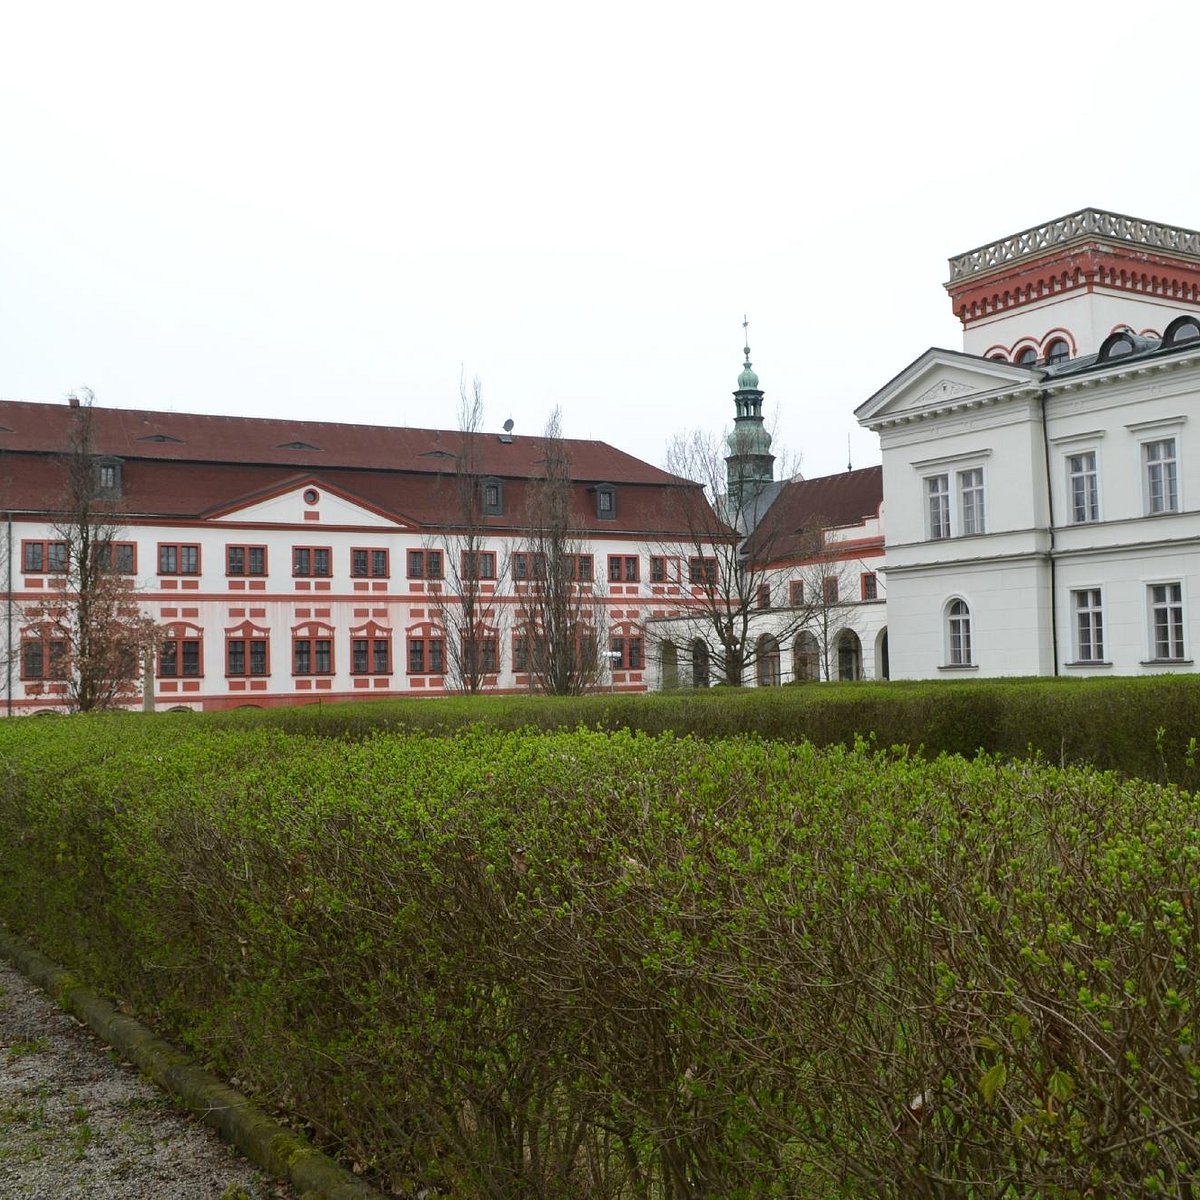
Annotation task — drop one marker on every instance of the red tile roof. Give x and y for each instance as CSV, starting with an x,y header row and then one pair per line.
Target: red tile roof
x,y
221,462
806,506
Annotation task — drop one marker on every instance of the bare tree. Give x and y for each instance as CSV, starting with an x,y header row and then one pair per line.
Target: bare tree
x,y
823,588
92,634
559,614
464,565
740,551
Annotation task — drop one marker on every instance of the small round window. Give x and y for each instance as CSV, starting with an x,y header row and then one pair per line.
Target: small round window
x,y
311,495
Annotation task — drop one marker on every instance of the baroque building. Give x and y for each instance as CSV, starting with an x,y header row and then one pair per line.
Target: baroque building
x,y
286,562
1042,484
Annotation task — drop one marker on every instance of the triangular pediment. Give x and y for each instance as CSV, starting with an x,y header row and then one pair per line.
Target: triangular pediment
x,y
307,502
939,380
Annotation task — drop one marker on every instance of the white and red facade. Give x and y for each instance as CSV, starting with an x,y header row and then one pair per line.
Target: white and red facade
x,y
294,562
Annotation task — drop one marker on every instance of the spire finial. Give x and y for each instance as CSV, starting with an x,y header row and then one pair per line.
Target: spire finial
x,y
746,337
849,458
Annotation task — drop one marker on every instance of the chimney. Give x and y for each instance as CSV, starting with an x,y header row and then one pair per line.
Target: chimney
x,y
73,401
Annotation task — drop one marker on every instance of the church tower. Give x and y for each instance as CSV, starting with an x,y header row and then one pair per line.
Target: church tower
x,y
749,465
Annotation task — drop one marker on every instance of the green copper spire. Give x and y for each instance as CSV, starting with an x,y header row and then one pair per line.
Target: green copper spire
x,y
747,379
749,465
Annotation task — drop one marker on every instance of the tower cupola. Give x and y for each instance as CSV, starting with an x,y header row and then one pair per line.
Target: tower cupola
x,y
749,464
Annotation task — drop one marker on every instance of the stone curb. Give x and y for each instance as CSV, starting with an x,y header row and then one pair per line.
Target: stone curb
x,y
265,1142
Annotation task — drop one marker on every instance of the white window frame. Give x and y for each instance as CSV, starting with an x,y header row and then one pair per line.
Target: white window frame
x,y
1090,497
971,512
1087,620
937,507
959,650
1170,602
1160,474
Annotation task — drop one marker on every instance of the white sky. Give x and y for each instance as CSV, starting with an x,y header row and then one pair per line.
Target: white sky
x,y
330,211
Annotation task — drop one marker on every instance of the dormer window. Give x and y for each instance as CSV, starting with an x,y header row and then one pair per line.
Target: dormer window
x,y
606,502
493,498
108,477
1116,345
1181,331
1026,357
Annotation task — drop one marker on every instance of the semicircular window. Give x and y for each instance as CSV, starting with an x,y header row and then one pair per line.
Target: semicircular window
x,y
1116,345
1027,357
1182,330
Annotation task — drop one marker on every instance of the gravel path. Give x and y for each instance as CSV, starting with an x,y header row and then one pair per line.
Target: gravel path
x,y
77,1123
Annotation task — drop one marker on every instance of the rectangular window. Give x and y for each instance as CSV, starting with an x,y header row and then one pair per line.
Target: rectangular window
x,y
829,589
493,498
627,653
970,493
311,561
658,569
245,560
44,658
424,564
763,596
1089,625
796,593
370,656
480,564
606,503
528,565
582,568
1085,492
246,656
179,656
622,568
481,655
117,558
426,656
38,557
870,586
702,571
178,558
1162,478
312,656
937,495
369,564
1166,620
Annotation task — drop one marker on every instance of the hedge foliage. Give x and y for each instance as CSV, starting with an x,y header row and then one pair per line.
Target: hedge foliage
x,y
1143,727
585,965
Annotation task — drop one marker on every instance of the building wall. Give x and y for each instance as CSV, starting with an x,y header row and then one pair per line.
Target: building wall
x,y
213,605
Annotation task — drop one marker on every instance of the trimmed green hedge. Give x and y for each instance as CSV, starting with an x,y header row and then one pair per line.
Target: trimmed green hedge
x,y
516,965
1141,727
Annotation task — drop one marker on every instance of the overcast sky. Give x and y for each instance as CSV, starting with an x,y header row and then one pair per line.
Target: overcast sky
x,y
332,211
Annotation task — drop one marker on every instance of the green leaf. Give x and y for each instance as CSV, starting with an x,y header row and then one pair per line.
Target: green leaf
x,y
993,1080
1061,1086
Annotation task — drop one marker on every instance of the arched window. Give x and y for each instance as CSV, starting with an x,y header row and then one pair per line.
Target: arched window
x,y
767,658
668,665
806,657
849,655
1116,345
882,666
700,668
1182,330
958,634
1058,351
1026,357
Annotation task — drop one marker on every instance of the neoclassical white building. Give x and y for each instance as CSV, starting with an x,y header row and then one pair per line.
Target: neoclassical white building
x,y
1042,485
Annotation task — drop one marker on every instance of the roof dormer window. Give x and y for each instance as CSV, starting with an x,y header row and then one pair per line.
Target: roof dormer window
x,y
1182,331
1116,345
108,478
606,502
492,498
